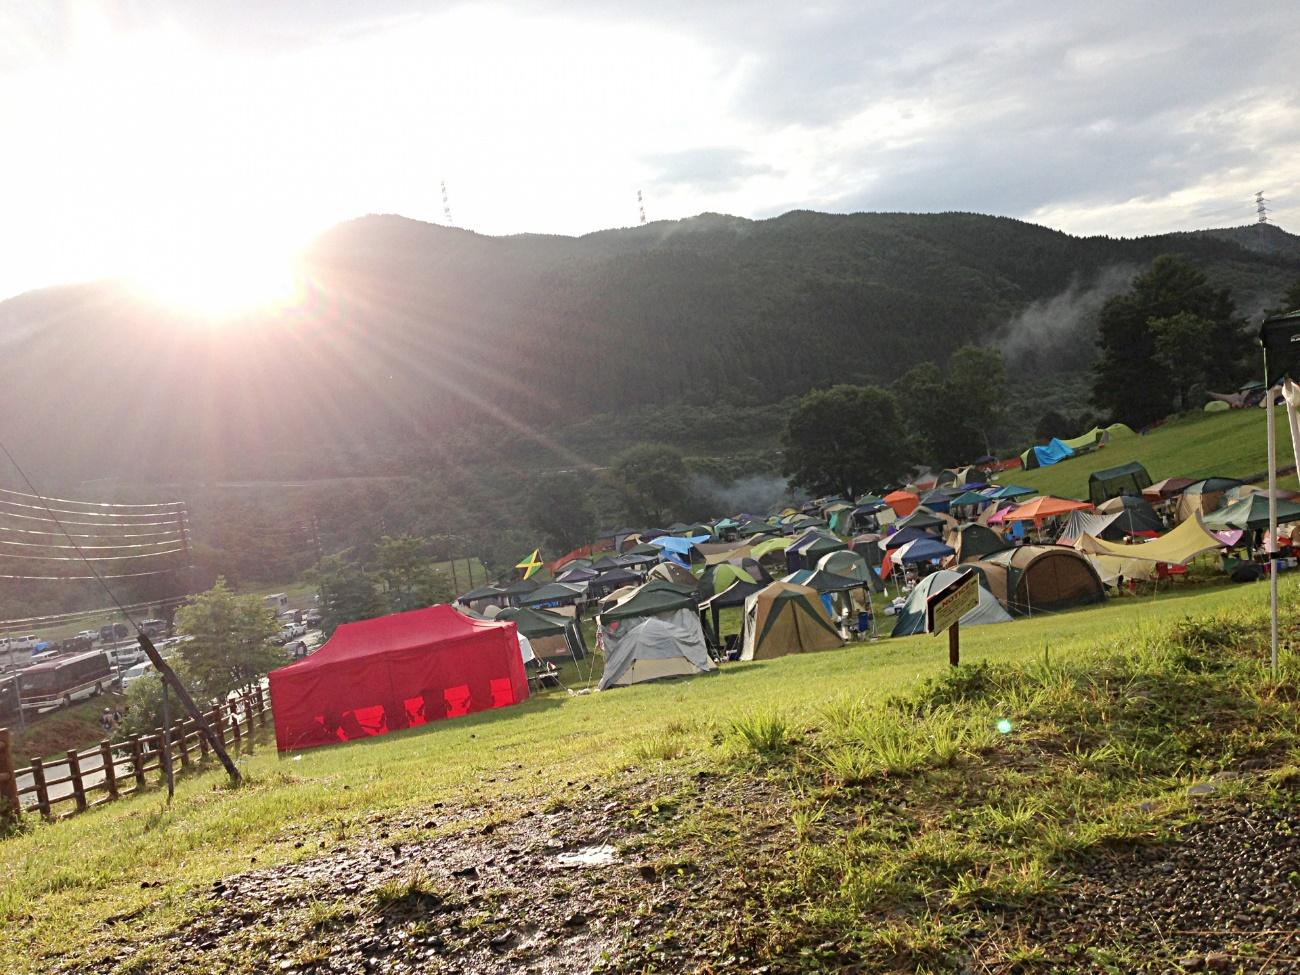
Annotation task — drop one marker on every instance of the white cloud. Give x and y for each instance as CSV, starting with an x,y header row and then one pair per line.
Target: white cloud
x,y
174,129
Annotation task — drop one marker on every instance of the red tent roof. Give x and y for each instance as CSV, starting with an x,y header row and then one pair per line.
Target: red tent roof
x,y
903,502
395,672
416,629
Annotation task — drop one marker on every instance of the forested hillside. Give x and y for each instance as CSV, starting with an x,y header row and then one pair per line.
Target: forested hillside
x,y
414,339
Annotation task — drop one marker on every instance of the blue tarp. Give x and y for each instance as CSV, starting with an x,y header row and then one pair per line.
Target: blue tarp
x,y
1055,452
927,550
682,546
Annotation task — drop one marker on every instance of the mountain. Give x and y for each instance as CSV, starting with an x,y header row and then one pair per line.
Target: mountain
x,y
411,338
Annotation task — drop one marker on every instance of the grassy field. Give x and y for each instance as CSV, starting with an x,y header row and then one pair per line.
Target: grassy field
x,y
1196,445
59,882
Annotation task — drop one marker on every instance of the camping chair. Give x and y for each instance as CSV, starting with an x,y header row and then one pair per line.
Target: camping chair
x,y
1171,572
543,673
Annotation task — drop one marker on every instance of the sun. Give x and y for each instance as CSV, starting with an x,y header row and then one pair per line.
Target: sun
x,y
218,279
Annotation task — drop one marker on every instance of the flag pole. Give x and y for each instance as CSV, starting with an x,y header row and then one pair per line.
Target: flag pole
x,y
1271,546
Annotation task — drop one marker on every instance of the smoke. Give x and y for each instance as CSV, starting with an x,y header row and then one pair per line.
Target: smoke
x,y
756,494
1047,324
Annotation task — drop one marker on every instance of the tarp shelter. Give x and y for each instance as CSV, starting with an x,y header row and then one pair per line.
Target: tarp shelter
x,y
553,637
389,673
560,593
1041,509
911,618
1131,478
1168,488
905,535
1050,453
1010,491
1184,543
784,618
970,542
970,499
1094,523
653,632
925,550
483,594
734,595
1203,496
1251,513
903,502
684,547
1029,578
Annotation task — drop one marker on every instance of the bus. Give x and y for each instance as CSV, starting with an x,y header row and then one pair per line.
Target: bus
x,y
64,679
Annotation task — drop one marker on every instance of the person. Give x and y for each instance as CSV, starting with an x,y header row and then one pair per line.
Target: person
x,y
106,720
117,716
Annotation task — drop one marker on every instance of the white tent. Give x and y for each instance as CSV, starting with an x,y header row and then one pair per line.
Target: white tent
x,y
911,618
645,648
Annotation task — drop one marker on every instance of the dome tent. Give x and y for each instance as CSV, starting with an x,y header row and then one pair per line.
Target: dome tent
x,y
785,618
1040,577
911,618
652,633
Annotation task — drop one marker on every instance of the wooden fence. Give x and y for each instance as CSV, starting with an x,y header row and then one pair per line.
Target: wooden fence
x,y
112,770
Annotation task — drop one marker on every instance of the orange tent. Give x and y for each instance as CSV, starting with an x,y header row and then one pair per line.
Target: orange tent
x,y
1040,509
903,502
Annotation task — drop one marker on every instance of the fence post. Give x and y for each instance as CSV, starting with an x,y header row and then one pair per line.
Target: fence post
x,y
181,743
9,807
110,771
248,717
203,739
164,753
261,706
237,738
137,760
42,792
78,787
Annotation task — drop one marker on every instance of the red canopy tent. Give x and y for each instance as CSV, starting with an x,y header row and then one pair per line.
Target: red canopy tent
x,y
381,675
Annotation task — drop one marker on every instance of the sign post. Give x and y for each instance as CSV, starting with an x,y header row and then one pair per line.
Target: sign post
x,y
945,607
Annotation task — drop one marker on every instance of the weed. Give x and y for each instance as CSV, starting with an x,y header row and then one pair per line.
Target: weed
x,y
415,889
765,733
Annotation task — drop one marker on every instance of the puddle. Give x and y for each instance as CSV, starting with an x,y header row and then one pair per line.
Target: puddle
x,y
588,856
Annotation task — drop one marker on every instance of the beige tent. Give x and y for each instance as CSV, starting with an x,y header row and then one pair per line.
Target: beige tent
x,y
1181,545
672,572
785,618
1032,578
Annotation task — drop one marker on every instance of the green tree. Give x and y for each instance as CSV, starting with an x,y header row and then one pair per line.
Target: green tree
x,y
652,482
935,430
406,576
346,592
845,440
561,508
1053,423
977,385
144,701
1182,344
1125,386
232,640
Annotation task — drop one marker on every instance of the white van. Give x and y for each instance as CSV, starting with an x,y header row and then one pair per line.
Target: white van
x,y
135,673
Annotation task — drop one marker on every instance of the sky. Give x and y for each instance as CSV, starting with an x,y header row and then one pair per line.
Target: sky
x,y
151,138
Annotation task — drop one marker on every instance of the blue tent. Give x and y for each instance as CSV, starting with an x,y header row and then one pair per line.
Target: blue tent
x,y
927,550
971,498
905,535
937,500
1054,452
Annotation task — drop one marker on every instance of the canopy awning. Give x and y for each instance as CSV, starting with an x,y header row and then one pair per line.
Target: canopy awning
x,y
1181,545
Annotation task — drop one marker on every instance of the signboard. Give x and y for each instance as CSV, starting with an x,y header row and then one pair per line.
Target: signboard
x,y
946,606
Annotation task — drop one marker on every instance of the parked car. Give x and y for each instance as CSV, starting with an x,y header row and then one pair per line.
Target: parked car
x,y
91,635
135,673
106,633
154,629
77,644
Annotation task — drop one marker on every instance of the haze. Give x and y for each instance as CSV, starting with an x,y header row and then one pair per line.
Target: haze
x,y
196,146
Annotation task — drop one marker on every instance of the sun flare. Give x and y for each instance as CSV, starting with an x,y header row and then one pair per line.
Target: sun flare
x,y
220,282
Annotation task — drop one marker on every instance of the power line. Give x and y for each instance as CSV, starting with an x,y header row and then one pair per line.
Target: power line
x,y
94,504
92,524
51,545
91,558
91,514
175,533
99,577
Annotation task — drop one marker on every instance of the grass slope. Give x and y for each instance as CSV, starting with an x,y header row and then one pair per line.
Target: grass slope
x,y
1231,444
59,883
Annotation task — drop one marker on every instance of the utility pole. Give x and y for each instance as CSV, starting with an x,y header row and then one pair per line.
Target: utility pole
x,y
640,205
1261,208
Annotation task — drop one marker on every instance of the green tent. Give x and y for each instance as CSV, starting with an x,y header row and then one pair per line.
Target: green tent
x,y
719,577
1250,514
657,596
1129,478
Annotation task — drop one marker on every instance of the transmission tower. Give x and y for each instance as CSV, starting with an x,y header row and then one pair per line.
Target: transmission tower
x,y
1261,208
446,206
640,205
